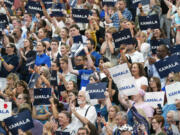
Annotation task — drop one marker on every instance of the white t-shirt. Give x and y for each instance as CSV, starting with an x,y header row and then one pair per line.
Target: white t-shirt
x,y
90,115
136,57
141,81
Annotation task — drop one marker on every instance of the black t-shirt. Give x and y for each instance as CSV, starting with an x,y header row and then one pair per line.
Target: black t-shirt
x,y
164,7
9,59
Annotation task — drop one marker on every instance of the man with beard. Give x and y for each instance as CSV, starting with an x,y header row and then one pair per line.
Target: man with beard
x,y
84,110
91,48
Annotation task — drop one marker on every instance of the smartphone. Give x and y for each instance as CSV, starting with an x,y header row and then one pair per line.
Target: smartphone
x,y
159,106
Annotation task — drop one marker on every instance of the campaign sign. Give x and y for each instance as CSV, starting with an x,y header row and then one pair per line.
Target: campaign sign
x,y
22,121
155,43
33,80
33,7
62,133
168,65
127,86
146,22
145,2
122,37
173,92
48,3
53,78
9,3
56,10
109,2
41,96
120,72
175,50
154,98
80,15
3,21
5,110
96,90
77,39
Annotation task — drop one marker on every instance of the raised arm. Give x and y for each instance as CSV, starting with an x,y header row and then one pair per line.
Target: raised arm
x,y
70,68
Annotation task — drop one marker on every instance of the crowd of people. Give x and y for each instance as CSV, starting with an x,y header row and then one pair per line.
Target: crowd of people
x,y
44,45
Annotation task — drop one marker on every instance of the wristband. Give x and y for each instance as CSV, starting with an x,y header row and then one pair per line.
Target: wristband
x,y
2,60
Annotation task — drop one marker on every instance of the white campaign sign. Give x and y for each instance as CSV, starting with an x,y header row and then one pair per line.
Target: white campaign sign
x,y
173,92
120,72
154,98
5,110
127,86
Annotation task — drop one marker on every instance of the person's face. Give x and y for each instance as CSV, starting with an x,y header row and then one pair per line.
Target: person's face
x,y
155,125
137,97
90,47
70,85
17,32
20,88
63,65
169,117
152,83
130,47
88,34
112,112
129,25
161,52
71,96
81,132
74,32
124,25
81,98
119,121
6,40
62,119
54,46
126,133
26,43
91,80
79,60
41,33
27,18
135,70
122,5
15,23
63,33
156,33
9,49
10,82
63,50
20,99
40,47
54,66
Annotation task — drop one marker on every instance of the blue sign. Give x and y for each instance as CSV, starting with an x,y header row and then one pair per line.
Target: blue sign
x,y
48,3
56,10
53,78
155,43
33,7
41,96
96,91
146,22
62,133
22,121
168,65
9,3
77,39
109,2
3,21
80,15
32,81
122,37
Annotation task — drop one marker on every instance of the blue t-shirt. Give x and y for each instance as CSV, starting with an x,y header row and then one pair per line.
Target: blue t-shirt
x,y
84,74
97,56
43,59
103,111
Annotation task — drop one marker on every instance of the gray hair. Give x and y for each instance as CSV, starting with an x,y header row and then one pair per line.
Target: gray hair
x,y
122,114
